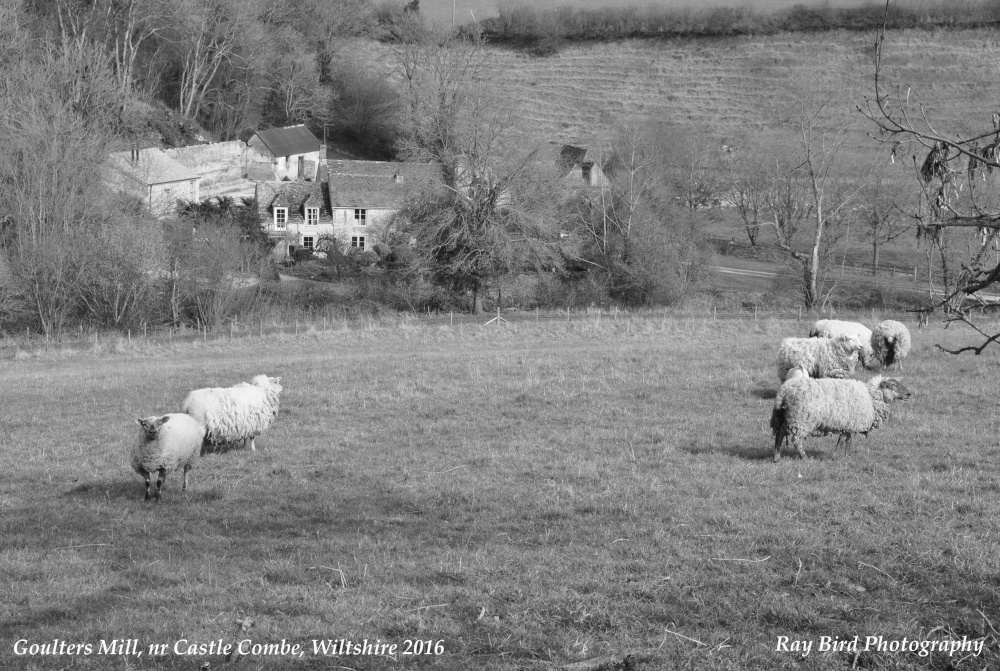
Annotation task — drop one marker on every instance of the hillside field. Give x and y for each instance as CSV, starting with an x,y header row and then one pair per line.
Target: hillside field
x,y
465,11
512,498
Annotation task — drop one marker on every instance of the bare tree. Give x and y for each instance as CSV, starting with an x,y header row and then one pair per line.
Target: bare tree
x,y
959,203
638,233
882,217
818,188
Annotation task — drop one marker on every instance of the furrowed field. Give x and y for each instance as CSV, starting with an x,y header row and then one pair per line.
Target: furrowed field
x,y
518,497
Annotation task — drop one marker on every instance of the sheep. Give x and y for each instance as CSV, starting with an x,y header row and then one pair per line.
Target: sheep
x,y
796,373
818,357
235,414
890,343
831,328
806,407
165,444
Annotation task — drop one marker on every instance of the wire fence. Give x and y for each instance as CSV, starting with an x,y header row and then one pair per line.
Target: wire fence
x,y
15,345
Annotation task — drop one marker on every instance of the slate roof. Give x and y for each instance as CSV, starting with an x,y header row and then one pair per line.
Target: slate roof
x,y
567,156
293,195
379,184
152,166
288,141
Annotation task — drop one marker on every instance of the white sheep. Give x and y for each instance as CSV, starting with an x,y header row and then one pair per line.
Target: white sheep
x,y
818,357
806,407
235,414
166,443
832,328
890,343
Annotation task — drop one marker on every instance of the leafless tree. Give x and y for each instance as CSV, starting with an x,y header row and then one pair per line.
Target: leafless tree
x,y
959,203
882,218
818,188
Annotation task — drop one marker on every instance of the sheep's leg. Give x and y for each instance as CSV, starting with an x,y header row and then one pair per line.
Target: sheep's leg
x,y
779,436
847,444
797,443
145,475
253,448
161,475
187,467
836,447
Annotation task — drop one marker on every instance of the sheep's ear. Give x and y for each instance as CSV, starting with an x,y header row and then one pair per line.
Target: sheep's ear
x,y
140,422
162,420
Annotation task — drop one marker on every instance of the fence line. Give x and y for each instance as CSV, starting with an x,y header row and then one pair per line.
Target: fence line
x,y
13,344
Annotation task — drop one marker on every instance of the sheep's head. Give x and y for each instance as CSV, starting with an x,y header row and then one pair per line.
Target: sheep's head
x,y
265,381
151,425
893,390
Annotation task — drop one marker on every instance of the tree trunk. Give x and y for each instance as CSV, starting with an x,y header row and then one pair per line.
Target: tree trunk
x,y
874,257
477,301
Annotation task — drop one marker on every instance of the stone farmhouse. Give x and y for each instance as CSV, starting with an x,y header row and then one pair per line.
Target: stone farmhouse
x,y
155,178
350,204
293,152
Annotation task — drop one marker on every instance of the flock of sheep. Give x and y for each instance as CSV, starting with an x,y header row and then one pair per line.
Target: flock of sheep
x,y
814,398
212,416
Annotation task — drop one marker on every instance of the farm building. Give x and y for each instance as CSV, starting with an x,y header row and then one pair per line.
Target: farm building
x,y
293,152
365,193
155,178
293,213
578,165
223,166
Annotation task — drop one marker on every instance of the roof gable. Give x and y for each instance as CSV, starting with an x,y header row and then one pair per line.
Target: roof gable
x,y
295,196
379,184
152,166
287,141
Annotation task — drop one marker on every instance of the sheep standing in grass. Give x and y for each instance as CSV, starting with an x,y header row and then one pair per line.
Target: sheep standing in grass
x,y
235,414
890,343
818,357
805,407
166,444
833,328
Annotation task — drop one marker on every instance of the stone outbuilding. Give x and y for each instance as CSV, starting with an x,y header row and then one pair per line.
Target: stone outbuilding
x,y
155,178
293,151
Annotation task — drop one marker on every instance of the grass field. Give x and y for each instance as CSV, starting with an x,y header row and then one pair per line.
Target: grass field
x,y
520,497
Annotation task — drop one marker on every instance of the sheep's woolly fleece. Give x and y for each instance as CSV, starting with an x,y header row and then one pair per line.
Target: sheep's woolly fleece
x,y
890,343
833,328
818,357
238,413
165,444
806,407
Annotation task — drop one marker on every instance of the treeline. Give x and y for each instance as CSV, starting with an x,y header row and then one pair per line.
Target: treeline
x,y
523,25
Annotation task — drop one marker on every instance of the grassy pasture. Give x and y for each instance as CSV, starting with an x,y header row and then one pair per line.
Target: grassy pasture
x,y
523,495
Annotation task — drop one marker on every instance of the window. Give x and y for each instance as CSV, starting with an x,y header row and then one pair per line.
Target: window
x,y
280,218
360,214
358,241
312,216
307,241
585,169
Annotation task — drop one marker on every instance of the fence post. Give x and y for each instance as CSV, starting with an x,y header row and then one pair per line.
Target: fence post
x,y
914,273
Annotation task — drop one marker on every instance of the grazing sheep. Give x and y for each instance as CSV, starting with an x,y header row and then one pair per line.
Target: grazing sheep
x,y
166,444
235,414
818,357
890,343
806,407
832,328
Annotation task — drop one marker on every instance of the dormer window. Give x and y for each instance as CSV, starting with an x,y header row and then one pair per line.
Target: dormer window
x,y
312,216
585,170
280,218
360,215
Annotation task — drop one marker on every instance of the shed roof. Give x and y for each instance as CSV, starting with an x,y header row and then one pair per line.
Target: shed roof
x,y
152,166
287,141
379,184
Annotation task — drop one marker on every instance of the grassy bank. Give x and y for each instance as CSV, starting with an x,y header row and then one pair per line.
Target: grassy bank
x,y
526,495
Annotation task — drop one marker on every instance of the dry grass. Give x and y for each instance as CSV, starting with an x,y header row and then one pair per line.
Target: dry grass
x,y
541,494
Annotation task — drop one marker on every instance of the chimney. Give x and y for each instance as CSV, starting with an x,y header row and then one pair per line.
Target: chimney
x,y
135,154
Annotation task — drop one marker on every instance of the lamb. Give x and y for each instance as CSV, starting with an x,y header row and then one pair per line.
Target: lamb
x,y
166,444
831,328
890,343
235,414
818,357
805,407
